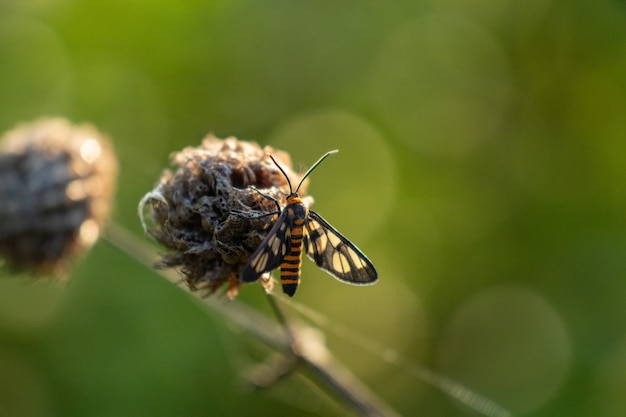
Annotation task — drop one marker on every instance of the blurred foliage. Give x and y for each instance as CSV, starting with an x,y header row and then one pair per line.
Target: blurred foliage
x,y
482,169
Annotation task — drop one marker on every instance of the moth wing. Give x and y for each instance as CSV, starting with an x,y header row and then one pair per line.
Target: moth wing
x,y
270,252
335,254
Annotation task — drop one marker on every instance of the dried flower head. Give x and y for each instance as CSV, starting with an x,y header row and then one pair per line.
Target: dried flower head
x,y
206,215
56,186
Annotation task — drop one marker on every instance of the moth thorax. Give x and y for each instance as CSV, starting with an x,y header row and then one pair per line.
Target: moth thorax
x,y
294,199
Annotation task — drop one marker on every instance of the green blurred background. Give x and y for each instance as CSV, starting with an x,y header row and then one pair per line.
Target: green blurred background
x,y
482,169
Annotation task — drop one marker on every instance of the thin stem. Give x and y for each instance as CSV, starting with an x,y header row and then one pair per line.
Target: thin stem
x,y
279,315
304,343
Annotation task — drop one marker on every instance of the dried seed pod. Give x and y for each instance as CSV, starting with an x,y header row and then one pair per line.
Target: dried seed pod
x,y
56,186
206,215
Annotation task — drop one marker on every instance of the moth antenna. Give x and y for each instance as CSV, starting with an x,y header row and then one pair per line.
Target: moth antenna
x,y
319,161
284,173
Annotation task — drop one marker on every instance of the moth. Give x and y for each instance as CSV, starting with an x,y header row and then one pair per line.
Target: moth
x,y
299,229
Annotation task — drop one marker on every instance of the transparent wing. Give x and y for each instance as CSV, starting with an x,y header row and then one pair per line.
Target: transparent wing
x,y
270,252
335,254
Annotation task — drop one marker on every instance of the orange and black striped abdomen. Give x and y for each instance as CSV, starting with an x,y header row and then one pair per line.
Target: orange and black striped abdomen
x,y
291,262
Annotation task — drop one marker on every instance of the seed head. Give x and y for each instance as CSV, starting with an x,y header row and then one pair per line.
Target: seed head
x,y
206,214
56,186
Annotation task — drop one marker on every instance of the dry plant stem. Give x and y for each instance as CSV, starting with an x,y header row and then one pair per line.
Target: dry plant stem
x,y
313,353
455,390
280,316
301,342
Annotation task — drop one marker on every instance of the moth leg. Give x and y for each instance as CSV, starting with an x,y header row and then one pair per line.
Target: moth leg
x,y
245,215
269,197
